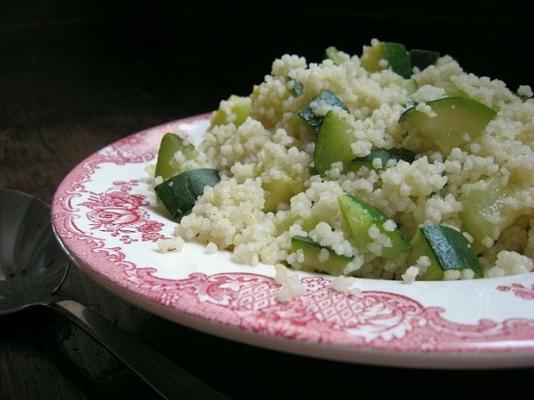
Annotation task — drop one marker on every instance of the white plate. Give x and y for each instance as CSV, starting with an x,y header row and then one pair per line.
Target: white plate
x,y
103,217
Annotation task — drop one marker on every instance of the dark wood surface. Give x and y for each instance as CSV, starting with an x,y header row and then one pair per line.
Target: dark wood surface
x,y
74,78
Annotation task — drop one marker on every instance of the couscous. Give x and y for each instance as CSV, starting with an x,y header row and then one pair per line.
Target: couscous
x,y
394,164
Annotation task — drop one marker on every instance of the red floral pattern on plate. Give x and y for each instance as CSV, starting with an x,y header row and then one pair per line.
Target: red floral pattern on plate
x,y
518,290
376,320
122,214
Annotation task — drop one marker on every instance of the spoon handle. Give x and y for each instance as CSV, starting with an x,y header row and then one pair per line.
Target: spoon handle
x,y
170,381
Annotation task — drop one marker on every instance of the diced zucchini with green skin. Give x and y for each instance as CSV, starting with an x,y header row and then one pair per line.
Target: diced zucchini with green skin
x,y
421,247
311,221
334,265
296,87
455,117
239,107
447,249
394,53
481,206
383,154
315,121
333,143
333,54
398,59
360,216
169,145
279,191
179,193
423,58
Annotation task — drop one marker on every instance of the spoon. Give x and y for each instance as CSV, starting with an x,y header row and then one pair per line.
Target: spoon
x,y
33,268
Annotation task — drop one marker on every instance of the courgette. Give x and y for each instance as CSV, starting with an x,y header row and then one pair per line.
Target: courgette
x,y
334,265
279,191
446,248
235,110
179,193
384,155
360,217
170,144
423,58
326,98
333,143
484,213
457,121
394,53
297,88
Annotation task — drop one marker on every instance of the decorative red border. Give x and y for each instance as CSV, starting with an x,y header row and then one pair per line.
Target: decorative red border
x,y
374,320
519,290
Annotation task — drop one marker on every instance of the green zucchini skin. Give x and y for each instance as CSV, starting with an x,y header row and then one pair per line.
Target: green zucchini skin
x,y
423,58
398,58
450,249
297,87
383,154
179,193
315,121
421,247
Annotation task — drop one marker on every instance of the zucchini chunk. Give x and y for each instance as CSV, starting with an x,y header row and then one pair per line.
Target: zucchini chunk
x,y
235,110
394,53
297,88
360,216
280,191
333,143
384,155
457,121
446,248
315,121
169,145
484,213
423,58
179,193
334,265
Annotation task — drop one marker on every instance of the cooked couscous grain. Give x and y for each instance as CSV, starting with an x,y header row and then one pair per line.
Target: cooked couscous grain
x,y
173,244
346,284
290,285
270,189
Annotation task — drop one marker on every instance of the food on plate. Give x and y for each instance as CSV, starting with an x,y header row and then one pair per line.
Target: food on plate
x,y
180,192
396,164
446,250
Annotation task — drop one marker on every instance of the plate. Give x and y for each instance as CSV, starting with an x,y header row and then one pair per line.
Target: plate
x,y
104,217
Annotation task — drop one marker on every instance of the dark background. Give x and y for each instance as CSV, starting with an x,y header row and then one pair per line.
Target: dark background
x,y
75,76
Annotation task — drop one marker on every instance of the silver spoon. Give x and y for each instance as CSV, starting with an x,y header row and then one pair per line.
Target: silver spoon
x,y
32,269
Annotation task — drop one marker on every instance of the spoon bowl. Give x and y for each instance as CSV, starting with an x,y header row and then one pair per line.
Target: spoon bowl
x,y
32,269
32,264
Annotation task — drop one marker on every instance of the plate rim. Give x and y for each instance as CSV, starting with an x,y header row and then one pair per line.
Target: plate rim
x,y
367,355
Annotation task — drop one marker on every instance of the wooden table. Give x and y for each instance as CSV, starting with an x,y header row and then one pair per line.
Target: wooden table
x,y
74,80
